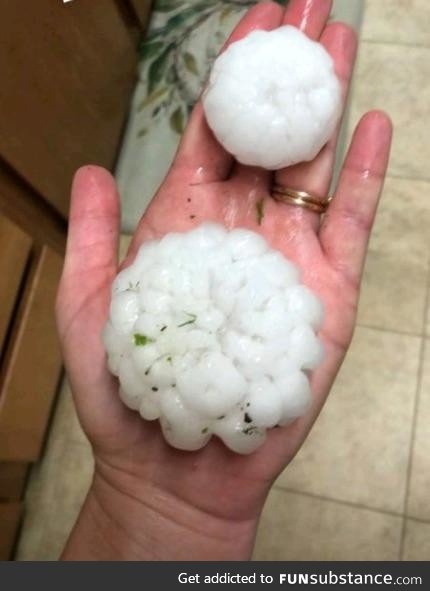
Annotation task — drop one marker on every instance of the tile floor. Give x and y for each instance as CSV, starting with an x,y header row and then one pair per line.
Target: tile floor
x,y
359,488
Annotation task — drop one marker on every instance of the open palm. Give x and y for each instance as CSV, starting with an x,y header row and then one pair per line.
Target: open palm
x,y
205,184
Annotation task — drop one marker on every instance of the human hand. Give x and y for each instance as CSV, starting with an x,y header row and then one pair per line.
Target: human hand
x,y
149,500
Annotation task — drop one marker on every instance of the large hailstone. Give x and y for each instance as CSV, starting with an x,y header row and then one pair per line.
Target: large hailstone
x,y
273,98
211,333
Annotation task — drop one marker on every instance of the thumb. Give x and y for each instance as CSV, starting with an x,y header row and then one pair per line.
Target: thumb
x,y
84,293
92,248
92,241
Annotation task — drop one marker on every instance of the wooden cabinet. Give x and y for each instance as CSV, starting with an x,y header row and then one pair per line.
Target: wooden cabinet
x,y
13,476
67,71
14,253
10,517
142,10
30,363
33,366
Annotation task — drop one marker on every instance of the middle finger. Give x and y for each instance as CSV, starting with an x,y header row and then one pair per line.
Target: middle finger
x,y
310,16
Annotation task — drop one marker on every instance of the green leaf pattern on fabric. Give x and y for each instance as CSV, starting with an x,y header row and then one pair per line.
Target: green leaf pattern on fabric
x,y
148,50
177,120
168,5
153,97
158,69
191,63
174,63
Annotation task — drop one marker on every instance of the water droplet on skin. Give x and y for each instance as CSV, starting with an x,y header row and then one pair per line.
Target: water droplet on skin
x,y
308,10
251,199
200,174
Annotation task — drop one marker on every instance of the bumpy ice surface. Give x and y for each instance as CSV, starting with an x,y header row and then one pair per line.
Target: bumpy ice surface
x,y
210,331
273,98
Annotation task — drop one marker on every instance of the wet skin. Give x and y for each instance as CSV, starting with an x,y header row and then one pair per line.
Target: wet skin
x,y
208,502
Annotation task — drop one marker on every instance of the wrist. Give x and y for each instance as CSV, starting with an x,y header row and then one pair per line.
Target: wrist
x,y
118,524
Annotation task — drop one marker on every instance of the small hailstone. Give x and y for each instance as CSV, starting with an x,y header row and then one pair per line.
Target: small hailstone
x,y
213,345
273,98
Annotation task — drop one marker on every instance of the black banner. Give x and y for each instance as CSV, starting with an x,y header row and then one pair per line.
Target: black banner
x,y
208,575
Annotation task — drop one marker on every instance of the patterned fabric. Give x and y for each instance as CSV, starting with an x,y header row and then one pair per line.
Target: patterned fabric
x,y
176,55
183,39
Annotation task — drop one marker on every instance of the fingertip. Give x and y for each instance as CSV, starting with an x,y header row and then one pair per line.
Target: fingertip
x,y
343,30
377,120
92,177
340,38
267,9
93,188
371,143
93,220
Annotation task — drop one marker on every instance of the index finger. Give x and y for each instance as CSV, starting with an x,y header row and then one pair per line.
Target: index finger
x,y
200,158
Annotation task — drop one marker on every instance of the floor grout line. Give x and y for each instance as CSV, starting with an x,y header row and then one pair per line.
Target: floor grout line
x,y
401,177
338,501
394,43
414,419
391,330
418,519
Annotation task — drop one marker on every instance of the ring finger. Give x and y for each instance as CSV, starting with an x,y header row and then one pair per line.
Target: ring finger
x,y
315,177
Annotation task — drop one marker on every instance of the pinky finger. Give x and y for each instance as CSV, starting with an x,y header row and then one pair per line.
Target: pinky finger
x,y
345,231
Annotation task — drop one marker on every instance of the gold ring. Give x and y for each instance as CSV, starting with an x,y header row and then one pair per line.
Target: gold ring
x,y
301,199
